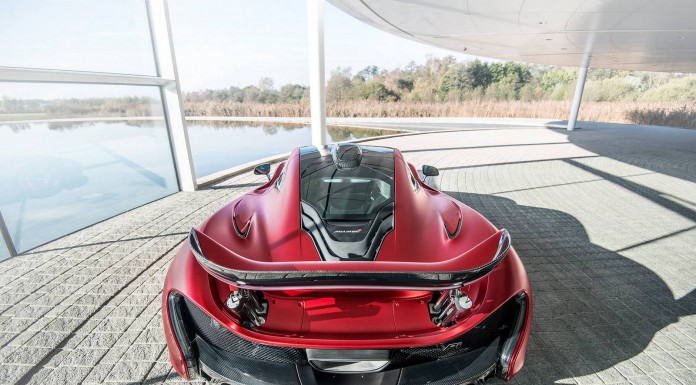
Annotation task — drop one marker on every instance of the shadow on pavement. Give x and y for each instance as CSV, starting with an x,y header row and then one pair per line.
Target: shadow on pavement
x,y
593,308
666,150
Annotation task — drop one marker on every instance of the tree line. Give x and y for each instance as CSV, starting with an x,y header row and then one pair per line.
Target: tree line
x,y
445,79
437,87
264,92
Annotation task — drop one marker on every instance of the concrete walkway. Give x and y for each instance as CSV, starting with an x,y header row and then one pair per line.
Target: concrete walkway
x,y
604,219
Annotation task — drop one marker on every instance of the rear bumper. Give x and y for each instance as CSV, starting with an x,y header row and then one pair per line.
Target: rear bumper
x,y
223,355
220,365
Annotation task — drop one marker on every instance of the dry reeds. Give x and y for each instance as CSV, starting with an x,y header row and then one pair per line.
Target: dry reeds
x,y
662,113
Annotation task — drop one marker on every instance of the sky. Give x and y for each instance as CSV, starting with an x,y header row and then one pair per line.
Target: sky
x,y
218,43
88,35
242,41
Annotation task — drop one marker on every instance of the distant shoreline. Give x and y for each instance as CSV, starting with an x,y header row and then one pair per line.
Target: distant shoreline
x,y
382,123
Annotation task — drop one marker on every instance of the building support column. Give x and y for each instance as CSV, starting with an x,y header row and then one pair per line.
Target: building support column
x,y
579,89
317,81
163,46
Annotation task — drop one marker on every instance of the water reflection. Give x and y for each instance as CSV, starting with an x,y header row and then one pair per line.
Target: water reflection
x,y
58,177
59,125
38,177
218,145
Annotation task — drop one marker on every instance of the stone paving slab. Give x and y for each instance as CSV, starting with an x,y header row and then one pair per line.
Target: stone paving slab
x,y
604,220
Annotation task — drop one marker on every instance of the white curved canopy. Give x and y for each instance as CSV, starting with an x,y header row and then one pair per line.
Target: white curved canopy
x,y
646,35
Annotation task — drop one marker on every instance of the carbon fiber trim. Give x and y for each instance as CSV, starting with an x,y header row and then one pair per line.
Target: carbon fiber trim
x,y
204,328
364,249
423,280
224,366
472,357
490,332
469,368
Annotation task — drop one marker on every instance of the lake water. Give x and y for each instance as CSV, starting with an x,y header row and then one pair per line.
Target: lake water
x,y
57,178
219,145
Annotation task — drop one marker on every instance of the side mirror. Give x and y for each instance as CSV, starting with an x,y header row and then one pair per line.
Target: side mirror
x,y
263,169
430,171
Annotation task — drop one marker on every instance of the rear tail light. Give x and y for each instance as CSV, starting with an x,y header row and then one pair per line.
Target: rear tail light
x,y
513,339
181,333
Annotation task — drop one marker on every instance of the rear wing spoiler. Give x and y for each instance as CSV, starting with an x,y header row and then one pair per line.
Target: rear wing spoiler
x,y
234,269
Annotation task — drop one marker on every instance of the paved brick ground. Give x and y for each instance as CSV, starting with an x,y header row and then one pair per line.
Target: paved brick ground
x,y
604,219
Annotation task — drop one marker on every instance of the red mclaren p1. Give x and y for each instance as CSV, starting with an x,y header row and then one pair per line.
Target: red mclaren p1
x,y
346,268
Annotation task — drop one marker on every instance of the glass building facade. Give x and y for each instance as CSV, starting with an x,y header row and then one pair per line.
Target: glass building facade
x,y
86,116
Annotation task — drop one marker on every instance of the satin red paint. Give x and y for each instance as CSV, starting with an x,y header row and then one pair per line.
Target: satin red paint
x,y
424,222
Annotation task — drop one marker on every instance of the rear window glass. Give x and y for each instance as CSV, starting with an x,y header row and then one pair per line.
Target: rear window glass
x,y
347,194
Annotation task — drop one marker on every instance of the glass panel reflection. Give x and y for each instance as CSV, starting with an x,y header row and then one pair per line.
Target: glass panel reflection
x,y
87,35
62,174
4,252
